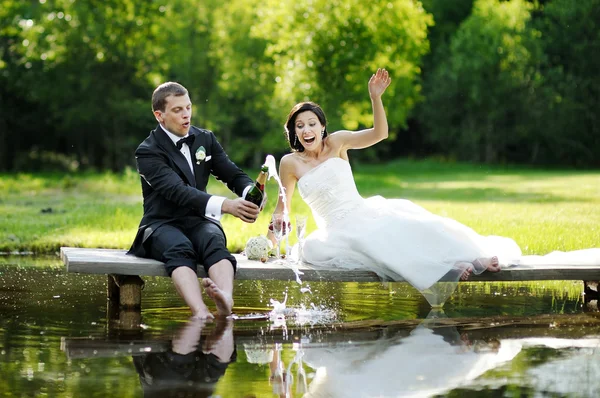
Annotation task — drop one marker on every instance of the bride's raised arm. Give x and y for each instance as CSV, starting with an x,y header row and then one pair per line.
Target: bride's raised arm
x,y
378,83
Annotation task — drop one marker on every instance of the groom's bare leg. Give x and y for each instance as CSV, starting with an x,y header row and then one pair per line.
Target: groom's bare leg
x,y
219,286
220,341
187,338
186,283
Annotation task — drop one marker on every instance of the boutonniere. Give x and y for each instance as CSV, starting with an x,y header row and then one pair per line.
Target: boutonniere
x,y
200,154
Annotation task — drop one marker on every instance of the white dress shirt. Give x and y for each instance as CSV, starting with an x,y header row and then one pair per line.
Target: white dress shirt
x,y
215,203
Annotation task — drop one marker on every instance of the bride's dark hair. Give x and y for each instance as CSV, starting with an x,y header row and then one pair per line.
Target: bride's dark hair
x,y
290,124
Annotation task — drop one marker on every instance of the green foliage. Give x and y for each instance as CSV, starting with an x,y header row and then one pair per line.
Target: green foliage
x,y
246,81
447,17
96,55
568,122
512,88
325,51
477,104
505,81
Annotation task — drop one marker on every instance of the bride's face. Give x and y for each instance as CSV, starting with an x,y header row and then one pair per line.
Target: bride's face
x,y
309,130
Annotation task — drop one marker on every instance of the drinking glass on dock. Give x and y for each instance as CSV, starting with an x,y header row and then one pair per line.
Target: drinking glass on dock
x,y
278,227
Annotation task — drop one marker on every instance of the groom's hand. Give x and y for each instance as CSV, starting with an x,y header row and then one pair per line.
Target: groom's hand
x,y
241,208
262,203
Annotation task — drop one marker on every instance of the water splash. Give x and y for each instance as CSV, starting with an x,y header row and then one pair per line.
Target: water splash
x,y
272,166
305,289
279,307
302,316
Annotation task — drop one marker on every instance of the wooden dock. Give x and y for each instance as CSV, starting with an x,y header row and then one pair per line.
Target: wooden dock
x,y
125,272
113,261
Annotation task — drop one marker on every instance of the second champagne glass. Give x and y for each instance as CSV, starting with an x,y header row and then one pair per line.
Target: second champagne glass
x,y
277,222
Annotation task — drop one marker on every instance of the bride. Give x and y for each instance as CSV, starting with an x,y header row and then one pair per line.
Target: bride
x,y
395,238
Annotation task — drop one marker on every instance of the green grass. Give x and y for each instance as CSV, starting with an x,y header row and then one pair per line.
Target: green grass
x,y
542,210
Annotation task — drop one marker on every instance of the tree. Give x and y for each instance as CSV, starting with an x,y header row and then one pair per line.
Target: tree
x,y
325,51
81,64
245,83
569,124
479,97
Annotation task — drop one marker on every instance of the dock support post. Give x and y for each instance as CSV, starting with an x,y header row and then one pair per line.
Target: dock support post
x,y
124,304
590,295
130,295
590,289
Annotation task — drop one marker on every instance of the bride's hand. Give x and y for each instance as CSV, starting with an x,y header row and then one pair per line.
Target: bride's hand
x,y
379,82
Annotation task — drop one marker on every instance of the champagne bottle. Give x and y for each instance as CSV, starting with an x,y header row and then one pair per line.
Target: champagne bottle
x,y
257,192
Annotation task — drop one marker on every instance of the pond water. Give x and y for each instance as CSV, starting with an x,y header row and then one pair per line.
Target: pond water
x,y
339,340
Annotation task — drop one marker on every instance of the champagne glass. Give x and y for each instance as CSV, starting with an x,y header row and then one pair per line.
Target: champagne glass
x,y
278,227
301,385
300,232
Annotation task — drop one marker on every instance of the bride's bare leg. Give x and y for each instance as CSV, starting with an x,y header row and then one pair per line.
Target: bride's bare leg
x,y
489,264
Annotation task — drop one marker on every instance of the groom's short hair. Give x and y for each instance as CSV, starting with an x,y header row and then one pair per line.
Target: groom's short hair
x,y
160,94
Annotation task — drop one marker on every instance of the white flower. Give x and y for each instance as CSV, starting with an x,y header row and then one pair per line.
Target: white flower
x,y
200,154
258,248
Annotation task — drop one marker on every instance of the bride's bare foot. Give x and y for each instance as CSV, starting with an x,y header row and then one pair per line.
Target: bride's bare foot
x,y
466,269
223,301
466,274
489,264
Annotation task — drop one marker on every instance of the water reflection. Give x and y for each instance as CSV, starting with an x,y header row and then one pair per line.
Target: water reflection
x,y
437,357
192,365
433,359
58,339
281,378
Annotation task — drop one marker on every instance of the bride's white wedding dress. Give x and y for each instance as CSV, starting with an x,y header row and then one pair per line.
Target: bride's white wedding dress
x,y
414,366
396,237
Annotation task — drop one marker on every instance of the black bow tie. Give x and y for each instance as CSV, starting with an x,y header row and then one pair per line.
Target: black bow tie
x,y
189,140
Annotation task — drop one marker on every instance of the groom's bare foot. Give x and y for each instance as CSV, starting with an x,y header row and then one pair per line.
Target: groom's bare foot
x,y
202,314
223,301
490,264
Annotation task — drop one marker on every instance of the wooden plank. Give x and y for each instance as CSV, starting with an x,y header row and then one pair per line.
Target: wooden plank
x,y
113,261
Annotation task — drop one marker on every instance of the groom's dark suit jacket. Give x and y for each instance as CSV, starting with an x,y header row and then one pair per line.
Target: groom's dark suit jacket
x,y
169,188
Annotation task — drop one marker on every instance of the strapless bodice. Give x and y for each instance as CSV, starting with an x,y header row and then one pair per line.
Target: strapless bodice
x,y
330,191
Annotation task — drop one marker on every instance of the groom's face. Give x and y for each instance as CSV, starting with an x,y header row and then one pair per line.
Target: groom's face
x,y
177,115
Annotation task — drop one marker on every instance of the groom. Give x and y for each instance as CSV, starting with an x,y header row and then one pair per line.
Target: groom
x,y
180,225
